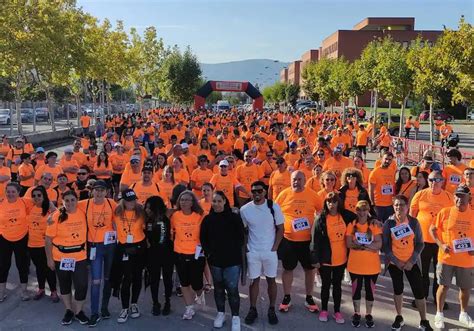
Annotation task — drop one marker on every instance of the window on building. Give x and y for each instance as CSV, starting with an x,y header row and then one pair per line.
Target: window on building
x,y
405,44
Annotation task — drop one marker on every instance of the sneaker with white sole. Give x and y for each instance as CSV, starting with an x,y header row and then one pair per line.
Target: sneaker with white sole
x,y
123,316
200,299
465,319
439,320
235,323
219,320
134,311
188,313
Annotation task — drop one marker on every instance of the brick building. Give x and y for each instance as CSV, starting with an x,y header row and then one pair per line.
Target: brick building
x,y
294,72
310,56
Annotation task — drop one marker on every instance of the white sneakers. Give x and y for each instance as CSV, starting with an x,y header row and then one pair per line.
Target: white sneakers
x,y
235,323
219,320
189,313
200,299
123,317
465,319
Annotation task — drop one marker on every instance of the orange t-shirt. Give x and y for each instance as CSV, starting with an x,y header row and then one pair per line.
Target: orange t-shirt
x,y
71,177
338,166
428,206
37,224
80,158
85,121
129,178
186,230
99,218
225,184
71,232
182,177
299,210
143,192
246,175
352,197
129,224
13,218
4,171
362,137
403,248
362,262
205,205
336,229
166,190
454,227
453,176
102,167
26,170
384,180
118,162
200,177
406,188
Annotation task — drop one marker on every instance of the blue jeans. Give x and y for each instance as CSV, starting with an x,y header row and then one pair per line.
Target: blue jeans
x,y
226,280
101,265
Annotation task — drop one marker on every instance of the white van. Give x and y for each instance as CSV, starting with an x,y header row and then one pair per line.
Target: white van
x,y
223,105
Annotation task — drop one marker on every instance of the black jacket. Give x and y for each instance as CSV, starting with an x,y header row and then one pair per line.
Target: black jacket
x,y
222,238
320,246
158,232
363,195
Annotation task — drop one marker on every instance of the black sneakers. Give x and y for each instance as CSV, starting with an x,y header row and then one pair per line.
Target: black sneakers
x,y
82,318
68,317
369,321
272,317
251,316
166,308
105,313
398,323
356,320
156,310
95,318
425,325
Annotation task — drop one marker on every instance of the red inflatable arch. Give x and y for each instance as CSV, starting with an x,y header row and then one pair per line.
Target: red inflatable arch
x,y
228,86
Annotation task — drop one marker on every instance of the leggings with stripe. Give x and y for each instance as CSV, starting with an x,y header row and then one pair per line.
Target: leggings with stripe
x,y
369,282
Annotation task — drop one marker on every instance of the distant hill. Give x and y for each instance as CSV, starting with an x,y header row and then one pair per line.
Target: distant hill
x,y
259,71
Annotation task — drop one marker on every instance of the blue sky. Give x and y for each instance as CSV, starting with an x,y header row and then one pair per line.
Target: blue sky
x,y
229,30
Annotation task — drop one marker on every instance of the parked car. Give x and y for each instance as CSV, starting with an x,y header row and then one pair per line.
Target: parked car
x,y
470,116
439,114
27,115
42,115
5,117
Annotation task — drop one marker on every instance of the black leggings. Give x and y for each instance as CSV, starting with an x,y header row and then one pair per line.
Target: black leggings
x,y
414,279
369,282
20,248
362,149
160,260
331,276
429,253
79,278
132,270
43,272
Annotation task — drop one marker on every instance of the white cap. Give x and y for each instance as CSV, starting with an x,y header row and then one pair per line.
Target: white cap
x,y
117,145
134,158
184,145
224,163
68,149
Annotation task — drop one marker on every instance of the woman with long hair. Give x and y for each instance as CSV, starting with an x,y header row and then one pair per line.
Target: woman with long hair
x,y
159,166
360,164
364,240
206,200
328,181
329,252
404,184
14,238
166,185
222,238
103,170
66,249
421,182
62,187
129,219
181,175
185,228
160,252
38,218
314,182
352,189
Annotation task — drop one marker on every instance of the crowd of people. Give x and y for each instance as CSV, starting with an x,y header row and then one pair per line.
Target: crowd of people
x,y
221,198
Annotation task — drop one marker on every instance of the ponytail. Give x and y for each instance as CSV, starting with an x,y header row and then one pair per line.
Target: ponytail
x,y
62,214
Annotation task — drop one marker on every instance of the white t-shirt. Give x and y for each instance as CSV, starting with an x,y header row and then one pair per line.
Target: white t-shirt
x,y
259,221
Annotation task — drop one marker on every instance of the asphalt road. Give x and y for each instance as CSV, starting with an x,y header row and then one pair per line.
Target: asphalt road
x,y
40,127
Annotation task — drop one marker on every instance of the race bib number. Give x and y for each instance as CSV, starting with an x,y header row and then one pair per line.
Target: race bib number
x,y
129,239
300,224
401,231
387,190
110,237
455,179
462,245
362,238
67,264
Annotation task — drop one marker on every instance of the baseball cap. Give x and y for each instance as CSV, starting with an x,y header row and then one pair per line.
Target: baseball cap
x,y
147,167
293,145
224,163
428,158
68,150
134,158
338,150
184,145
99,184
462,189
18,140
40,150
118,145
129,195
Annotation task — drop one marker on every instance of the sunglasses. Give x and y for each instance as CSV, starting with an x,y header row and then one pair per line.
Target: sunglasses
x,y
134,162
257,191
82,173
332,201
350,176
436,180
330,179
37,195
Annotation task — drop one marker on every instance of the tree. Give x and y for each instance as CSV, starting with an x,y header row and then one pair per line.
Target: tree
x,y
428,76
180,76
308,85
291,93
321,80
214,97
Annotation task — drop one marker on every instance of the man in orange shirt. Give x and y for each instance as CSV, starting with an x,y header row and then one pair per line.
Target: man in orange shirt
x,y
454,234
246,174
381,187
26,173
299,206
223,181
85,123
408,127
361,141
452,173
469,181
145,188
338,163
445,130
279,179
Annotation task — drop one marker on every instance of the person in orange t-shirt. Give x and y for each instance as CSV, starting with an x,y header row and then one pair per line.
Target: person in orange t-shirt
x,y
362,139
146,188
246,174
26,173
382,187
364,241
37,218
425,205
226,182
129,220
85,123
69,166
279,179
5,177
453,232
190,261
338,163
66,251
452,173
299,206
14,238
200,175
